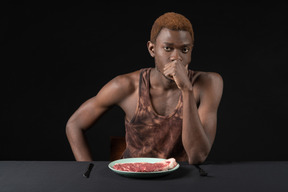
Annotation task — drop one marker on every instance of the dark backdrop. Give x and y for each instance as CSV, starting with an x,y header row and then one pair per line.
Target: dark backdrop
x,y
53,58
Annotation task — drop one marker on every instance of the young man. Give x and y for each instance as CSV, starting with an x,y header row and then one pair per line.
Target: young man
x,y
170,110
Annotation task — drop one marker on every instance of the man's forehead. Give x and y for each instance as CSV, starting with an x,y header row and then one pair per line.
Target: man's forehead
x,y
174,36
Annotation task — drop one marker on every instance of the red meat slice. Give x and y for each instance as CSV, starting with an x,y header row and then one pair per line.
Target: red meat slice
x,y
146,167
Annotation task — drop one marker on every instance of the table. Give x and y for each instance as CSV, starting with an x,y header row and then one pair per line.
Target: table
x,y
58,176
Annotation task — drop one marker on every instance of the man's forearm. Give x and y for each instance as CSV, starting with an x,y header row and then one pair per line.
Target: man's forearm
x,y
194,138
78,144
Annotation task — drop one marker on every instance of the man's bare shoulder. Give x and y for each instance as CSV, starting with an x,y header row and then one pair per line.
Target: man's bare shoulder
x,y
202,78
118,89
126,82
208,86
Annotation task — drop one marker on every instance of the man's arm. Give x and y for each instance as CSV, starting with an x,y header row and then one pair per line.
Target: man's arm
x,y
114,92
199,125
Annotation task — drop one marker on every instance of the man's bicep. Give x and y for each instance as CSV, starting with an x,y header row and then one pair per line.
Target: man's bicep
x,y
209,122
86,114
91,110
209,104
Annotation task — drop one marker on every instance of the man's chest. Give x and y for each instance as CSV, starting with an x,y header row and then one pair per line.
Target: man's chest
x,y
165,103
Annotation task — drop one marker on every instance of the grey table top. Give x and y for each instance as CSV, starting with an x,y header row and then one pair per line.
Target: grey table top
x,y
68,176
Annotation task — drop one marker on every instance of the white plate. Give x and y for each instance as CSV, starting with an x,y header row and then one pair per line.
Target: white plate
x,y
141,174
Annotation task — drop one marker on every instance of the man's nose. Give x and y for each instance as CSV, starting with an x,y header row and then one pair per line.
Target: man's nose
x,y
175,55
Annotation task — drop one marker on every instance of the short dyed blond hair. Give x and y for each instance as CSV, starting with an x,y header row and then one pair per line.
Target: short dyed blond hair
x,y
172,21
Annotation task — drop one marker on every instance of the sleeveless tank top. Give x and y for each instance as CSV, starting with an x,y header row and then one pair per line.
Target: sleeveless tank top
x,y
149,134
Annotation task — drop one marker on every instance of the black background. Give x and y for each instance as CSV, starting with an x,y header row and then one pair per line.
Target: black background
x,y
53,58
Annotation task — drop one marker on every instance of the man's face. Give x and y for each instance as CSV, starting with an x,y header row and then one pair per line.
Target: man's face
x,y
172,45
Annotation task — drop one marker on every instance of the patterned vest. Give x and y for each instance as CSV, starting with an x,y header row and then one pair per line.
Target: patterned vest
x,y
149,134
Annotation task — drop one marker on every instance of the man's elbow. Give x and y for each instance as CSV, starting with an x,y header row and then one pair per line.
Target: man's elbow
x,y
70,129
197,158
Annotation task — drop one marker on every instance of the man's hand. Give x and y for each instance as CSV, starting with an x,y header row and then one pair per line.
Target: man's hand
x,y
176,71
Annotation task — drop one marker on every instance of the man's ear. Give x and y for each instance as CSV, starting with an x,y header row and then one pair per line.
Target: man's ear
x,y
151,47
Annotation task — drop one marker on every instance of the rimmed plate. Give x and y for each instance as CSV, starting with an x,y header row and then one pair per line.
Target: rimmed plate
x,y
141,174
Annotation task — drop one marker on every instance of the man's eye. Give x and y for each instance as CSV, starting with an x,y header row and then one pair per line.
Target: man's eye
x,y
185,50
167,48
